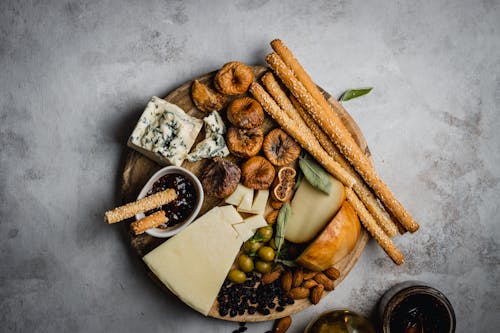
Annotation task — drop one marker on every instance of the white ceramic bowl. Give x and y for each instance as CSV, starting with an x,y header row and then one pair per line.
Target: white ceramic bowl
x,y
169,232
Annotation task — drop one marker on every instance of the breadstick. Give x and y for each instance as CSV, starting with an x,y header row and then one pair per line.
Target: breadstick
x,y
301,134
140,206
151,221
374,229
365,195
336,130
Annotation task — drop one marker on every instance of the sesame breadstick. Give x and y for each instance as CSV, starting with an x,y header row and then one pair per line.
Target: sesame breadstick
x,y
301,134
151,221
373,228
333,126
140,206
366,196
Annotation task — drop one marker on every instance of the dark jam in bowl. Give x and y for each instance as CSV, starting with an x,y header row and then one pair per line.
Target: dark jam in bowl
x,y
420,313
178,210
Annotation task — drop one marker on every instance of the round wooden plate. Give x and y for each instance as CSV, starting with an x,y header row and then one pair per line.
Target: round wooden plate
x,y
138,169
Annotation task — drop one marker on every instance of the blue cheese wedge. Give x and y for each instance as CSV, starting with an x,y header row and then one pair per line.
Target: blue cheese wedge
x,y
214,143
165,133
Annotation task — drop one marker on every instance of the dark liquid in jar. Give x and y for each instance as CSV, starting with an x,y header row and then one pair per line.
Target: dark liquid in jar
x,y
420,313
178,210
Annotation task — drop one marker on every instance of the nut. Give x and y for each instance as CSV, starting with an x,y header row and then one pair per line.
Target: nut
x,y
272,216
309,284
205,99
245,112
309,275
280,148
270,277
244,142
220,178
286,281
316,294
282,325
257,173
299,293
283,184
325,281
298,277
332,273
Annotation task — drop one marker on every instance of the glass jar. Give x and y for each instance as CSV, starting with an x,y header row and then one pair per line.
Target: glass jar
x,y
339,321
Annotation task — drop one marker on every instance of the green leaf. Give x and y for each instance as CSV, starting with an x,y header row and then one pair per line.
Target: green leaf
x,y
289,263
315,175
256,238
354,93
283,217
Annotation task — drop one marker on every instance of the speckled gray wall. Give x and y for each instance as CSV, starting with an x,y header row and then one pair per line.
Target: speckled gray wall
x,y
75,75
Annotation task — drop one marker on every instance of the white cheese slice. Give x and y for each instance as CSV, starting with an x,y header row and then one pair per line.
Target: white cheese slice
x,y
246,202
164,132
230,214
259,203
236,197
255,222
194,263
244,232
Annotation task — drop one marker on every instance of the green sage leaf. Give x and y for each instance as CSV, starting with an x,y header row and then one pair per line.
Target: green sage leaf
x,y
289,263
283,217
354,93
315,175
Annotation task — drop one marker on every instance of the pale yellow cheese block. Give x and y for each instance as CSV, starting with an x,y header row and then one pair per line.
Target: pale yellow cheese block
x,y
255,222
312,210
244,231
230,214
240,192
194,263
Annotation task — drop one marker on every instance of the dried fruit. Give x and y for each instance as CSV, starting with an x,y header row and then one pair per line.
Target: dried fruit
x,y
244,142
220,178
325,281
233,78
298,277
280,148
309,275
286,281
276,204
284,182
245,112
257,173
299,293
282,325
317,293
272,216
205,99
332,273
309,284
270,277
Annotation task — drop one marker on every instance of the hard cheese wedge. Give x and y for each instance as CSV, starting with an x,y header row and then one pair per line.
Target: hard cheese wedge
x,y
194,263
312,210
244,231
259,203
255,222
236,197
230,215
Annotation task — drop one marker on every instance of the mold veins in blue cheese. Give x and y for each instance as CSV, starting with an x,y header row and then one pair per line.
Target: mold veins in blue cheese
x,y
214,143
165,133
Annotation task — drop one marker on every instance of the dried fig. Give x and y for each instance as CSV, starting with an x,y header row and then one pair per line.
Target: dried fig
x,y
245,112
205,99
280,148
220,178
257,173
244,142
284,182
233,78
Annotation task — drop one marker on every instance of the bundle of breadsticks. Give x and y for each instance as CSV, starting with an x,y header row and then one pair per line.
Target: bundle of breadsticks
x,y
141,206
314,123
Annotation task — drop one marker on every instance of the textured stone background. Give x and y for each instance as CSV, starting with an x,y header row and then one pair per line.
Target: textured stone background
x,y
74,77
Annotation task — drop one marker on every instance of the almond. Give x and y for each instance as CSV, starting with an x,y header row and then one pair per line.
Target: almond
x,y
332,273
309,275
317,293
325,281
282,324
299,293
298,277
309,284
286,281
270,277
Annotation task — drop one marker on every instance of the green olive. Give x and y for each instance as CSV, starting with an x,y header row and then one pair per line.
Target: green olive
x,y
272,243
251,246
263,266
245,263
266,253
266,233
236,276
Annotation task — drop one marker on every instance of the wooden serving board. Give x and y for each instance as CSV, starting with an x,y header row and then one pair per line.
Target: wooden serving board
x,y
138,169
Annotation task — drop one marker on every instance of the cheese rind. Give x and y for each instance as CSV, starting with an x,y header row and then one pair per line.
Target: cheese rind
x,y
194,263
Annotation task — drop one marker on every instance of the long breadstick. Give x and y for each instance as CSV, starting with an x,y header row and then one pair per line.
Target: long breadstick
x,y
151,221
334,127
301,134
365,195
295,112
140,206
374,229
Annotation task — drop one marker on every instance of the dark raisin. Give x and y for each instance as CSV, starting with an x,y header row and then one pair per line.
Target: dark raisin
x,y
280,308
233,313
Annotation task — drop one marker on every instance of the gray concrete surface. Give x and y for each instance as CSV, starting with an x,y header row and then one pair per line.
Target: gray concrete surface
x,y
75,75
